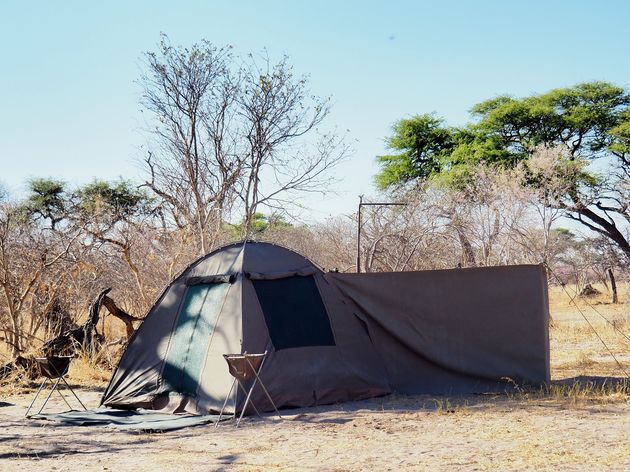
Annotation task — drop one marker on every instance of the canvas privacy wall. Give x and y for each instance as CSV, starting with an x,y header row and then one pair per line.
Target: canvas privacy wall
x,y
332,337
456,331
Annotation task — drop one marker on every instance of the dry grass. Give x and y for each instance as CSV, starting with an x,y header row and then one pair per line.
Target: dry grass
x,y
575,348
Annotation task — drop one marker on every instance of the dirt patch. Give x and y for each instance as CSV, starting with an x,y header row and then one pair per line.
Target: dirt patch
x,y
483,432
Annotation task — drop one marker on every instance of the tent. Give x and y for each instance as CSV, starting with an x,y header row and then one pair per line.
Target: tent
x,y
332,337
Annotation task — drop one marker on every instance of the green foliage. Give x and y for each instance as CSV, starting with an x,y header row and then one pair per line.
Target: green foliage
x,y
564,233
46,199
621,137
588,120
420,143
260,224
579,117
120,200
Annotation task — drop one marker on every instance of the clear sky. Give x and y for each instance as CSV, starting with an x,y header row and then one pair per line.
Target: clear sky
x,y
68,71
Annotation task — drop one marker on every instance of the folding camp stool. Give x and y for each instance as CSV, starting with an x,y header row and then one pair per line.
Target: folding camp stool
x,y
244,367
53,368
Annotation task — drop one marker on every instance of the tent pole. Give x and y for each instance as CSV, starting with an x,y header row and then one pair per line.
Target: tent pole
x,y
359,234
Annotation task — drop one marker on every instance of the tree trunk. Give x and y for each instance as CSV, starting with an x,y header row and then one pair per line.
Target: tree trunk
x,y
613,286
492,238
469,253
84,336
16,335
134,270
606,228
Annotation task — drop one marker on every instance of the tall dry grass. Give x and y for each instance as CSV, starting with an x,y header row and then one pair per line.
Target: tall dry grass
x,y
576,349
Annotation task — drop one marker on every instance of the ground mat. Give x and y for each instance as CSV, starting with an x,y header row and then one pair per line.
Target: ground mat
x,y
144,420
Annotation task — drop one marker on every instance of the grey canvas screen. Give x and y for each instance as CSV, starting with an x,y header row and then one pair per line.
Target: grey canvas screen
x,y
294,312
189,342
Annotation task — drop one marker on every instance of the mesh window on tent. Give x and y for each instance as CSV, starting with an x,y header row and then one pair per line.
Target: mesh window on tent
x,y
294,312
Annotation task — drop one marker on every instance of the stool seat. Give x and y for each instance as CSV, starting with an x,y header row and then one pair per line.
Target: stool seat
x,y
244,366
53,367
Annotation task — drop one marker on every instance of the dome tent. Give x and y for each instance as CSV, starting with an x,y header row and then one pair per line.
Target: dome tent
x,y
333,337
248,297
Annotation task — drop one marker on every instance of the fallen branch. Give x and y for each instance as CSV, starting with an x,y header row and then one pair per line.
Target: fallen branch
x,y
121,315
86,337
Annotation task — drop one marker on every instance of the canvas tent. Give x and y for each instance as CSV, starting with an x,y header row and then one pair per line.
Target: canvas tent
x,y
332,337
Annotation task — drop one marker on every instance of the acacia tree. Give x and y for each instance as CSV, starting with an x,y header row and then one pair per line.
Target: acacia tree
x,y
230,130
589,124
586,123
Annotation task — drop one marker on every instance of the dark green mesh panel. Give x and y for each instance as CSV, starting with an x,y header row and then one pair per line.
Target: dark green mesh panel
x,y
190,339
294,312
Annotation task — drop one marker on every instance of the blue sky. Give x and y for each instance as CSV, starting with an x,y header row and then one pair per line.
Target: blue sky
x,y
69,97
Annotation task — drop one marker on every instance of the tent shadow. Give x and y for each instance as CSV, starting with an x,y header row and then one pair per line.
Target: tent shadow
x,y
592,381
404,404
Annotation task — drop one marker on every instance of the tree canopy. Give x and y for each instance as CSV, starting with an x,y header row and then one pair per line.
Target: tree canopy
x,y
587,126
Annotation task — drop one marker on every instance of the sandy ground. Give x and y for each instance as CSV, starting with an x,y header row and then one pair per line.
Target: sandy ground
x,y
390,433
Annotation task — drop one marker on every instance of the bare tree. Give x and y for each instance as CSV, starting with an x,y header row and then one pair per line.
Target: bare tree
x,y
229,130
396,238
192,162
601,202
601,257
114,215
334,243
477,216
277,112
